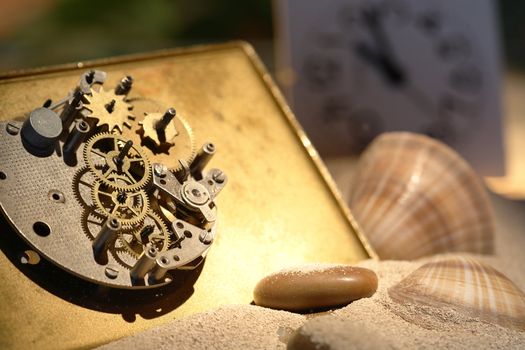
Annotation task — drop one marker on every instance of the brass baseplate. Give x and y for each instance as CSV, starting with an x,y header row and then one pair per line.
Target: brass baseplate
x,y
281,207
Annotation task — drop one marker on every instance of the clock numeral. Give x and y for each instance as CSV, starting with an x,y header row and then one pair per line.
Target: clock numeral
x,y
335,109
442,130
466,79
429,22
453,47
322,72
451,106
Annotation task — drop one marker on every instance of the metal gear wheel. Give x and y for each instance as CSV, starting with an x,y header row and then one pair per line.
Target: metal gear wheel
x,y
153,230
129,207
182,146
109,108
112,158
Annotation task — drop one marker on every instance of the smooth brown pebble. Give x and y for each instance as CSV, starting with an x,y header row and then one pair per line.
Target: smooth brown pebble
x,y
314,287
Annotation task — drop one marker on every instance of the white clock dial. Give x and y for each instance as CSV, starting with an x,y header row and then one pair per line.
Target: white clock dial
x,y
386,65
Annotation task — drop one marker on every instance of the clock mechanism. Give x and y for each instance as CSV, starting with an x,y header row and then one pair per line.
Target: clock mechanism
x,y
392,65
108,186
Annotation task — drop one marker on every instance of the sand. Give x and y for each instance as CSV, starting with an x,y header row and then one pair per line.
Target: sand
x,y
371,323
443,329
368,323
229,327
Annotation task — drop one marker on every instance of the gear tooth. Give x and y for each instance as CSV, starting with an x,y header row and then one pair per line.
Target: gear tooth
x,y
140,184
193,147
97,105
85,218
79,173
126,222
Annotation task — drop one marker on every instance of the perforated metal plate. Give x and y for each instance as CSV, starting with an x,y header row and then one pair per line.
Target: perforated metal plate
x,y
37,196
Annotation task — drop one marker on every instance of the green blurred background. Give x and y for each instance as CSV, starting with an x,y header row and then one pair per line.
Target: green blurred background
x,y
45,32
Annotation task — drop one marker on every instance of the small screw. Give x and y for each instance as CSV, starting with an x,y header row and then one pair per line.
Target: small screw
x,y
111,272
160,170
219,177
12,129
205,237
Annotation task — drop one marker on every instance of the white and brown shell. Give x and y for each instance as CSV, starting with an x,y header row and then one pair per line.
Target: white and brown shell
x,y
465,285
414,196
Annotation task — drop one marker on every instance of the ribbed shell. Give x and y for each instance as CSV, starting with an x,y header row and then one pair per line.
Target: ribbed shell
x,y
467,286
414,196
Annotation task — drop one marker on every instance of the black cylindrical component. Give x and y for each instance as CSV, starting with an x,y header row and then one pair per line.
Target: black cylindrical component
x,y
124,86
106,236
119,159
41,131
75,138
201,160
70,111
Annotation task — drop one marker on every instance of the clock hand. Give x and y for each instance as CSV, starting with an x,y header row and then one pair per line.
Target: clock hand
x,y
373,18
386,66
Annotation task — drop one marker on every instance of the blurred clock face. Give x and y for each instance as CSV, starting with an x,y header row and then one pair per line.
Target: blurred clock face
x,y
395,65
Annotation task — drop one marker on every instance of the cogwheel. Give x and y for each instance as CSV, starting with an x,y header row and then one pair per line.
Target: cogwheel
x,y
82,183
182,146
159,136
158,235
103,154
109,108
91,223
129,207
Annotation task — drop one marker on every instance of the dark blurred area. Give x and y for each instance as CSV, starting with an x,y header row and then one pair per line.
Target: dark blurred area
x,y
513,32
46,32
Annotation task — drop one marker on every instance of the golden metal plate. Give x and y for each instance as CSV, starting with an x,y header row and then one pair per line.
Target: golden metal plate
x,y
279,208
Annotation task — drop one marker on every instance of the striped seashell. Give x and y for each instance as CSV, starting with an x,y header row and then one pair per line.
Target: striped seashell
x,y
466,286
414,196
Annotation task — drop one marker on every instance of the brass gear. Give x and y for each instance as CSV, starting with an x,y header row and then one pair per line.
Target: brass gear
x,y
129,207
82,183
184,147
109,109
149,132
133,243
100,152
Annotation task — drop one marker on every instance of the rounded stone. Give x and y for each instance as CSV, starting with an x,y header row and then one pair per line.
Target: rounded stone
x,y
314,287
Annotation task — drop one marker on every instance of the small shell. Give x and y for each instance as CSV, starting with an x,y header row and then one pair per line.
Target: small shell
x,y
414,196
464,285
